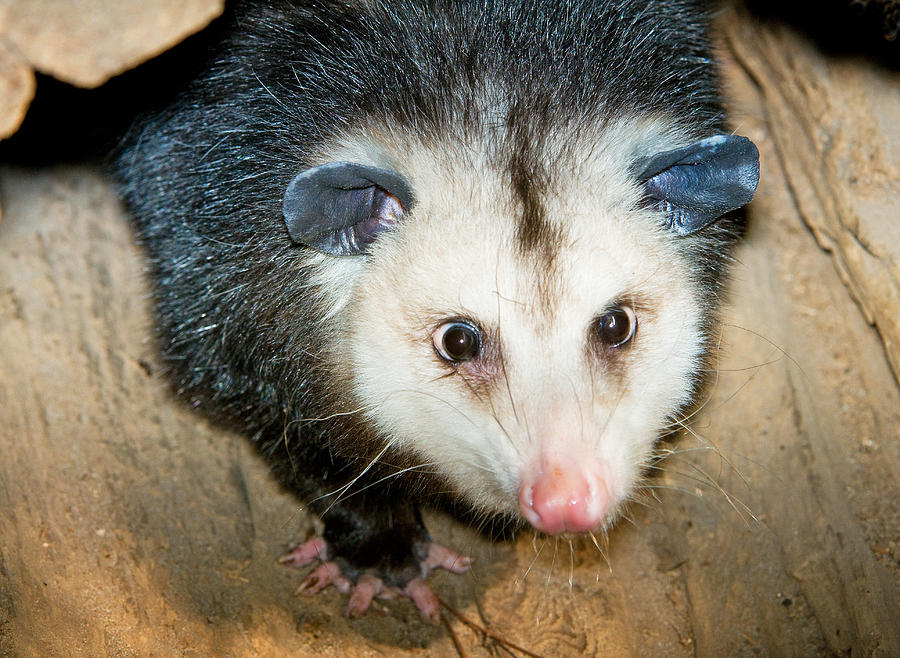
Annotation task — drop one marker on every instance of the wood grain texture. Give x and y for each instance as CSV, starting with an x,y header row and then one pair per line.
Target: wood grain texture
x,y
835,124
129,525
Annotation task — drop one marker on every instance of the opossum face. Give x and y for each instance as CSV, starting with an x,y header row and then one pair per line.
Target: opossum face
x,y
529,342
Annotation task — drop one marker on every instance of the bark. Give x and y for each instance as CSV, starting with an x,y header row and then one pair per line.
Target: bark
x,y
835,123
130,525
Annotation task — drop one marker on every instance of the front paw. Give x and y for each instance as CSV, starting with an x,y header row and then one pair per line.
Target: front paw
x,y
364,585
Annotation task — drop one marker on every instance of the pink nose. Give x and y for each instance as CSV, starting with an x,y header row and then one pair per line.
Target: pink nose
x,y
568,498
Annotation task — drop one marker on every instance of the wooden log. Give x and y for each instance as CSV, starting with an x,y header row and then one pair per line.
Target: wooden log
x,y
834,121
129,524
805,416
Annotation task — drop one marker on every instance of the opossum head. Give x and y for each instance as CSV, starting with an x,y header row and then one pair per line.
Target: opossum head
x,y
524,321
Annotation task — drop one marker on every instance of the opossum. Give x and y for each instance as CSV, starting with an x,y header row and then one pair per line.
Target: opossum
x,y
456,252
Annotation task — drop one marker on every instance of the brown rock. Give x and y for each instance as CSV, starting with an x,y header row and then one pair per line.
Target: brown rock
x,y
16,88
87,42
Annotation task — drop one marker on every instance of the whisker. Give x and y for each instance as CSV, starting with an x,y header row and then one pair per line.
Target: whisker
x,y
755,366
667,487
537,554
336,414
602,553
713,387
628,518
388,477
571,565
512,402
705,480
721,455
770,342
344,488
490,406
552,562
733,500
439,399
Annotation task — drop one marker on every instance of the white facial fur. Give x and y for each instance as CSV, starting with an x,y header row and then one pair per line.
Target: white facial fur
x,y
456,255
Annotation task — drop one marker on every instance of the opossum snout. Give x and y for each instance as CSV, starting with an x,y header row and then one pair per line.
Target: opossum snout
x,y
565,496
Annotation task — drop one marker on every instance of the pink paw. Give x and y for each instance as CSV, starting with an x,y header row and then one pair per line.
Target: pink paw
x,y
369,586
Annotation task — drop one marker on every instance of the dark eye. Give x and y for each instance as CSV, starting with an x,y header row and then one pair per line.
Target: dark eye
x,y
616,326
457,341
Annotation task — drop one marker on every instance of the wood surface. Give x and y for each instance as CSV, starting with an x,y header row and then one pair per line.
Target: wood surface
x,y
129,525
835,126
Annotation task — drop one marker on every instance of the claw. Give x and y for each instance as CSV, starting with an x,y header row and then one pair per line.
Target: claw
x,y
426,600
305,553
321,577
441,556
370,586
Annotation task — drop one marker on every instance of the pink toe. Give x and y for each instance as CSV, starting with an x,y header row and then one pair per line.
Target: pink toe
x,y
367,588
426,600
315,548
320,578
441,556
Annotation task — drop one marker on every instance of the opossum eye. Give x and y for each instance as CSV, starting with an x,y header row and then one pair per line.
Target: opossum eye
x,y
457,341
616,326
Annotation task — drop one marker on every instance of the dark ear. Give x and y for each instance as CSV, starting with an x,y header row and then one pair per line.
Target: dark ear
x,y
697,184
340,208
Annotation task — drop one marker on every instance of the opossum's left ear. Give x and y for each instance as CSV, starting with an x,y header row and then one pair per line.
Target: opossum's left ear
x,y
696,184
340,208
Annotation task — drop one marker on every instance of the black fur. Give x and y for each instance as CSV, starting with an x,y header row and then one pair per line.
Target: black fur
x,y
204,181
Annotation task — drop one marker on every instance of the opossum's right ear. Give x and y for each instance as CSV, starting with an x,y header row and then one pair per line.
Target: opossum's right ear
x,y
698,183
340,208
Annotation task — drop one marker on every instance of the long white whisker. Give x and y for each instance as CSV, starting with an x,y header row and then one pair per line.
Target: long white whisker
x,y
770,342
537,554
708,442
344,488
602,554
